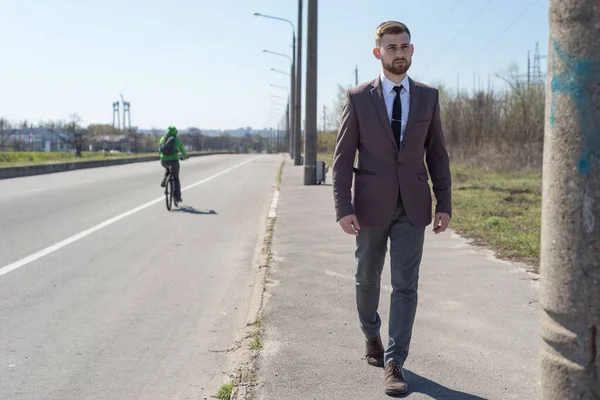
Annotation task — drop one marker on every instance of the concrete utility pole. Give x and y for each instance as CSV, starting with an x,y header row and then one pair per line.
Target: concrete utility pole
x,y
288,129
292,100
570,252
292,108
310,144
298,85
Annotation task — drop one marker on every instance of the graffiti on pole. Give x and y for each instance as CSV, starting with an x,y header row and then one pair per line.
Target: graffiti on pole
x,y
576,79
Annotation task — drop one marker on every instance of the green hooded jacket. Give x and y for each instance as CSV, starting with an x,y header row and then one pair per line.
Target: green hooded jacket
x,y
172,131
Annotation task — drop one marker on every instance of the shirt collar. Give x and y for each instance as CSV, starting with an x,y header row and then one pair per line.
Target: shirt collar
x,y
388,85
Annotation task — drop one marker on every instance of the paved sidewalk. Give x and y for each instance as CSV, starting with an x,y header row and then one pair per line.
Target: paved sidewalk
x,y
475,335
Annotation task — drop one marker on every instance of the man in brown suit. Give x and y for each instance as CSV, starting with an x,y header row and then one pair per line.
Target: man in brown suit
x,y
394,124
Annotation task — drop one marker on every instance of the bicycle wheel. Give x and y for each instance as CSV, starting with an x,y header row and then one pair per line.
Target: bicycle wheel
x,y
175,198
172,190
169,192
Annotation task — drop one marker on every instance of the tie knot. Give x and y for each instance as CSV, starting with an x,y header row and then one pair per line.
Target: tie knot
x,y
397,89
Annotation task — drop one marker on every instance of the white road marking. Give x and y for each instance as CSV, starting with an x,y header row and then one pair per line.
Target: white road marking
x,y
51,249
274,202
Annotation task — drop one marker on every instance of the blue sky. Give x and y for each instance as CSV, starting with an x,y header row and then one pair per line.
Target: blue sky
x,y
199,62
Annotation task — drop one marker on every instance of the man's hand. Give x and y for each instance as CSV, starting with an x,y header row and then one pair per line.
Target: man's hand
x,y
441,222
350,225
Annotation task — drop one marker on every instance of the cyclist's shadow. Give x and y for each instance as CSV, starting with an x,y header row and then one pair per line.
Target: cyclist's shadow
x,y
192,210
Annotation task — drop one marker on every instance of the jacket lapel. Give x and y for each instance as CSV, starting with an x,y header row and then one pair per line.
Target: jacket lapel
x,y
415,93
377,95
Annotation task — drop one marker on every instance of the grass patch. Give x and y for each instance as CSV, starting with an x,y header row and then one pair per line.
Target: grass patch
x,y
224,392
18,158
279,175
501,210
327,157
256,343
22,158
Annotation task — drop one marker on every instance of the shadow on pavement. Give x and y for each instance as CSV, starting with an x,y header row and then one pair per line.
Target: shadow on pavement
x,y
420,384
192,210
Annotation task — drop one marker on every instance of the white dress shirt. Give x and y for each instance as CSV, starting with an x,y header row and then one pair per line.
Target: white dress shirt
x,y
389,95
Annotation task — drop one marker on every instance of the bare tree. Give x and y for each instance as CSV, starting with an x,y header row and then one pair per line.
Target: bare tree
x,y
338,104
195,138
500,130
5,132
75,135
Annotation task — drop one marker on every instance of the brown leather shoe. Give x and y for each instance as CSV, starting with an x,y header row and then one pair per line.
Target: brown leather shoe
x,y
374,352
394,381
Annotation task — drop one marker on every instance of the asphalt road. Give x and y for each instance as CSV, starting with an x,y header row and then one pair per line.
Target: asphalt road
x,y
104,294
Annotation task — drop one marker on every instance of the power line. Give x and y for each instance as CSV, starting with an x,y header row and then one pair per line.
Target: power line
x,y
481,10
446,14
521,15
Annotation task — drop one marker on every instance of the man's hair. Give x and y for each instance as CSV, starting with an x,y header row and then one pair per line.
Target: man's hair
x,y
389,28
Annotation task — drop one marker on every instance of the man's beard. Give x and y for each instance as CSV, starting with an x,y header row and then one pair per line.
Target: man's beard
x,y
396,69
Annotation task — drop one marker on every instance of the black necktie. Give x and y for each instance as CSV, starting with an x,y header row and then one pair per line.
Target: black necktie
x,y
397,115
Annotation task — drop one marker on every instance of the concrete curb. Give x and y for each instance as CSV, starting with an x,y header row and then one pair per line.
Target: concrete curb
x,y
246,361
29,170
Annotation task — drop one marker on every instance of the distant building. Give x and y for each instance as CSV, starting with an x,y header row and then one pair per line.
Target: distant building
x,y
213,132
121,143
35,139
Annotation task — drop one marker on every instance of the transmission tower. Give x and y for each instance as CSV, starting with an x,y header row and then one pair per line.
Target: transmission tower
x,y
537,71
126,115
116,115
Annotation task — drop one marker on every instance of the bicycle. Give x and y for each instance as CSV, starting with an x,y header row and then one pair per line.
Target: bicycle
x,y
170,188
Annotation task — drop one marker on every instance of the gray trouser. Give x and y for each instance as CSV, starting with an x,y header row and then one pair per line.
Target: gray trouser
x,y
406,249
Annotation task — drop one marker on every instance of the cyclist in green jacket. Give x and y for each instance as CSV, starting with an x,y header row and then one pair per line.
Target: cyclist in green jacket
x,y
169,148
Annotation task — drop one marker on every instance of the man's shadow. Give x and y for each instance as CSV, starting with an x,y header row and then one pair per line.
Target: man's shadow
x,y
192,210
420,384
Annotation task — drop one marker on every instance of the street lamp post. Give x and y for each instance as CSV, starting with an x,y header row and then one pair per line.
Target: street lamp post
x,y
280,87
294,103
289,103
281,72
292,61
298,94
276,109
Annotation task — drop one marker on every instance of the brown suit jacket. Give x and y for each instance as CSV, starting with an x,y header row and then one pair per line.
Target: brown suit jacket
x,y
384,172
